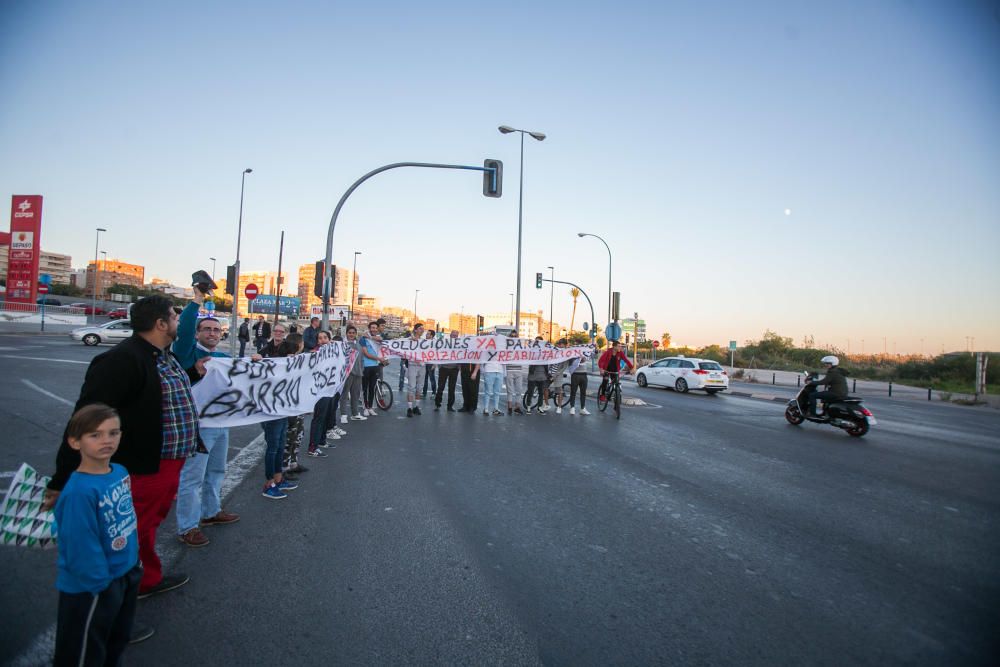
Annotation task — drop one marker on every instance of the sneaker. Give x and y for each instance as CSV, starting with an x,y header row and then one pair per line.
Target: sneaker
x,y
510,410
518,411
409,412
317,453
486,413
194,538
287,485
272,491
542,411
558,410
451,409
166,584
416,409
497,413
220,518
372,413
527,411
329,436
339,431
359,418
140,633
583,411
343,419
572,411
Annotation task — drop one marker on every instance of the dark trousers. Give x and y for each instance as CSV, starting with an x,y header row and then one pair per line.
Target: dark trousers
x,y
368,379
825,396
243,346
578,380
536,385
470,390
430,378
447,376
95,629
259,343
323,420
402,372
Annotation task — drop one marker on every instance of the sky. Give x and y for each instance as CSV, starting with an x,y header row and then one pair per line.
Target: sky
x,y
816,169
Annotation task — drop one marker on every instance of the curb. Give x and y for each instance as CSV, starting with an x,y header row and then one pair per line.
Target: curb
x,y
759,397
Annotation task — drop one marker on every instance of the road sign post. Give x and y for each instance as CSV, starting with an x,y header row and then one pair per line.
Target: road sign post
x,y
43,289
732,353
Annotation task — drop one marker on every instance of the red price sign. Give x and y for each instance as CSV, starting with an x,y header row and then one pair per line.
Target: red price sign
x,y
656,343
43,288
250,291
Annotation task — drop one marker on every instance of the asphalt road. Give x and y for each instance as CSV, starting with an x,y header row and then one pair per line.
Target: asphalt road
x,y
697,530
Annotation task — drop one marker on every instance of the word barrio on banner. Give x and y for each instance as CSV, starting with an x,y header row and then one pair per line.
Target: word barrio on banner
x,y
481,349
22,521
237,392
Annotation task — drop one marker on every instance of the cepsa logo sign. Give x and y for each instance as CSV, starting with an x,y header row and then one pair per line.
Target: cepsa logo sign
x,y
22,240
24,210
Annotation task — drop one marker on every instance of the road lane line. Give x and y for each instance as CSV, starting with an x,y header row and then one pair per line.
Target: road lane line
x,y
47,393
63,361
41,650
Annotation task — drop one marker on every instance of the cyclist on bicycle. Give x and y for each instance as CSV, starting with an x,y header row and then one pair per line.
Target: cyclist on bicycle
x,y
610,362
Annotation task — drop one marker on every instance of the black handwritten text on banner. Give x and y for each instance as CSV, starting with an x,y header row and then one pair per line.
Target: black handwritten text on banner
x,y
236,392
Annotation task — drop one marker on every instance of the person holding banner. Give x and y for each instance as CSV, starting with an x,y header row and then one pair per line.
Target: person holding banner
x,y
352,385
278,333
493,380
372,365
429,377
324,418
470,387
275,436
447,374
415,375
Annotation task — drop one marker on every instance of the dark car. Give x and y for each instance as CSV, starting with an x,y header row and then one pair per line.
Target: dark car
x,y
48,301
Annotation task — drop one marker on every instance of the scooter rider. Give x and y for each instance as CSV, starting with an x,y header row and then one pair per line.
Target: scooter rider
x,y
836,381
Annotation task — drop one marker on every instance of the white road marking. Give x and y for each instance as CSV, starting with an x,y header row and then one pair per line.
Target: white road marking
x,y
64,361
41,650
47,393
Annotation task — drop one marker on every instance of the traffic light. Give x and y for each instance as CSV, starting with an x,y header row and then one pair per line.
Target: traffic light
x,y
626,340
231,279
479,324
493,178
538,281
318,284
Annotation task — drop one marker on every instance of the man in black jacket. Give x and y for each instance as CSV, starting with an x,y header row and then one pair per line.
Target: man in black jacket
x,y
244,334
835,379
141,379
261,332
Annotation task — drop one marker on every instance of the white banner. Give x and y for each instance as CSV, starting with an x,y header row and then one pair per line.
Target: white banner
x,y
22,521
236,392
480,349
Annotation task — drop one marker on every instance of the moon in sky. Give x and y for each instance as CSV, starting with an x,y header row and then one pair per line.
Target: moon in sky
x,y
788,211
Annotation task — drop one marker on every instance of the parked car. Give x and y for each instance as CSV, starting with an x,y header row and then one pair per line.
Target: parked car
x,y
48,301
683,374
118,314
87,308
111,332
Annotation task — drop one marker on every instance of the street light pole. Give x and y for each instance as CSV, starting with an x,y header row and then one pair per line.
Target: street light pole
x,y
512,309
97,274
538,136
236,266
581,235
213,268
552,297
354,273
415,293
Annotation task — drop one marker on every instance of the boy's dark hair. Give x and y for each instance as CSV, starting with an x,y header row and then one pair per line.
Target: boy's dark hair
x,y
380,321
148,310
88,418
286,349
351,327
295,339
418,324
372,324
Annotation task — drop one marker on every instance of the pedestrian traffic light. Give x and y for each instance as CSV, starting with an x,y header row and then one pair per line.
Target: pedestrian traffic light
x,y
493,178
479,324
231,279
320,273
538,281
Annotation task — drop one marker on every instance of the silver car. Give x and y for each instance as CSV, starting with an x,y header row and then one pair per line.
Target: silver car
x,y
111,332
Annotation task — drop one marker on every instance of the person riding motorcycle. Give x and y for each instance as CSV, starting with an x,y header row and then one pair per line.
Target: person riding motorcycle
x,y
836,381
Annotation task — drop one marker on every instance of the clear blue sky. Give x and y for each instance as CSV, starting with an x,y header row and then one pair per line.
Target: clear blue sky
x,y
679,131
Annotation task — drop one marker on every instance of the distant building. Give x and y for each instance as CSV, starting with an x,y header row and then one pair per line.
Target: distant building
x,y
110,272
165,286
54,264
78,278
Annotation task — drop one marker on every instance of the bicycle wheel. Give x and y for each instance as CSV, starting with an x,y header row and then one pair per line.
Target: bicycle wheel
x,y
618,402
565,395
602,399
383,394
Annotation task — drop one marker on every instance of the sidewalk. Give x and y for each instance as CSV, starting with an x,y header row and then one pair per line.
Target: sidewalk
x,y
756,381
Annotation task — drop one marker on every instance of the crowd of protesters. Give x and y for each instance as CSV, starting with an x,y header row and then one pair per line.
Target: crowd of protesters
x,y
133,445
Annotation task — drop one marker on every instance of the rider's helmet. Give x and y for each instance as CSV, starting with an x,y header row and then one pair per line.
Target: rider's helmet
x,y
830,359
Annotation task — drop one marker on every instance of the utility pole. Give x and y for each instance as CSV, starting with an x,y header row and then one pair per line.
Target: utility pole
x,y
277,299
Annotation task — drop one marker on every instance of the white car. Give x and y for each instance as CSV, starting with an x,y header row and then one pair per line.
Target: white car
x,y
111,332
683,374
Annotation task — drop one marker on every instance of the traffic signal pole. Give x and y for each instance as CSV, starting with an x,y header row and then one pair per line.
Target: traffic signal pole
x,y
492,184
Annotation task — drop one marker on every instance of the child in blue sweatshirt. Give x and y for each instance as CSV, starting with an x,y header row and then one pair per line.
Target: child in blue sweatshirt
x,y
99,568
